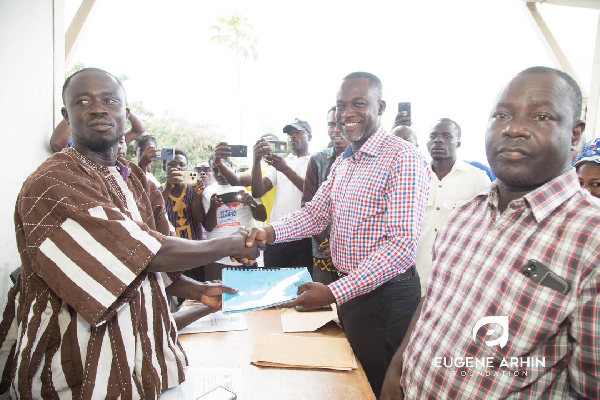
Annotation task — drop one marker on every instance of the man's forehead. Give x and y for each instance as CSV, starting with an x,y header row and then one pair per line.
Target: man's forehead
x,y
93,81
534,89
356,87
443,126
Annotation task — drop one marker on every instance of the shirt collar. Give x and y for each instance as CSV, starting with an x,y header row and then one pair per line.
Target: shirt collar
x,y
123,170
459,165
547,198
371,146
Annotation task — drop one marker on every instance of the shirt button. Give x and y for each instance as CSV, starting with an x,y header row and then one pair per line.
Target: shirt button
x,y
437,208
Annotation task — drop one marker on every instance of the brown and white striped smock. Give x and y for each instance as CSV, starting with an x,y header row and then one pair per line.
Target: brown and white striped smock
x,y
85,320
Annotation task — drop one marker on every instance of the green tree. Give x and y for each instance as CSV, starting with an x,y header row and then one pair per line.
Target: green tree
x,y
76,67
197,140
235,32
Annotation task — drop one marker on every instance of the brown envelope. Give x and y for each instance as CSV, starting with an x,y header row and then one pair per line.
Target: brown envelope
x,y
289,351
310,321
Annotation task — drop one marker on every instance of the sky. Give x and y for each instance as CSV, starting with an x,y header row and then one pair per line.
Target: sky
x,y
448,58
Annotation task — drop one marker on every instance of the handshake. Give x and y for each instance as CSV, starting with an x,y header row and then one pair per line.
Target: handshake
x,y
248,242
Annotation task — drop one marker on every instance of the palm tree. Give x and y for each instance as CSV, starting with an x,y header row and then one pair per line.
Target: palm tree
x,y
235,32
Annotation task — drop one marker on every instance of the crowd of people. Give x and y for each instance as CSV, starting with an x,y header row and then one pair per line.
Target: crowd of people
x,y
417,255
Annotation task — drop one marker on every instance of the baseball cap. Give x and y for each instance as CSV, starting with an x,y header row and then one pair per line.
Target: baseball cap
x,y
590,152
299,125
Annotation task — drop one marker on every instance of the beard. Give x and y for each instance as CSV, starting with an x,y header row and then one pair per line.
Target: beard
x,y
97,145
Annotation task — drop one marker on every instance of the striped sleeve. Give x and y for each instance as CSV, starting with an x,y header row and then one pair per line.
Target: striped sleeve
x,y
8,335
92,257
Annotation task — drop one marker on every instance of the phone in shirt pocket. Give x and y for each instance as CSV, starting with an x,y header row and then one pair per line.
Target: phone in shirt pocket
x,y
543,276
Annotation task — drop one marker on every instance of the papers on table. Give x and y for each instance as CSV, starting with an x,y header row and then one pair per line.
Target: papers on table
x,y
217,322
289,351
305,321
261,288
199,381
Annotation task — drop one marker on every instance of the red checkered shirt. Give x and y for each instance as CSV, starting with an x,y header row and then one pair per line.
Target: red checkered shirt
x,y
376,201
480,254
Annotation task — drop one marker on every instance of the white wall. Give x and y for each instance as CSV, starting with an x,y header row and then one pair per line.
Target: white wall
x,y
30,68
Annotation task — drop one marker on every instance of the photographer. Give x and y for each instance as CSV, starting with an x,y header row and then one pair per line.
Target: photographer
x,y
227,208
183,201
287,174
237,178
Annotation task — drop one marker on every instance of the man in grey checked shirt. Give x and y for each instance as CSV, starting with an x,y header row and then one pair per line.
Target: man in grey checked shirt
x,y
521,261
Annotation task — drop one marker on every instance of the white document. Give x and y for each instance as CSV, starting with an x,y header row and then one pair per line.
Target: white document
x,y
199,381
217,322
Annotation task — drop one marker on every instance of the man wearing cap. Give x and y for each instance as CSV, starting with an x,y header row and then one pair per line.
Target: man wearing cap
x,y
288,175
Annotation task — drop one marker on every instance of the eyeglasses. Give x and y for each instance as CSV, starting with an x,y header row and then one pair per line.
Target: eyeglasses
x,y
203,169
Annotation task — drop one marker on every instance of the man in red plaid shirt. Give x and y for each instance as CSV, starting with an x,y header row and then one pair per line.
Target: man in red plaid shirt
x,y
522,260
375,197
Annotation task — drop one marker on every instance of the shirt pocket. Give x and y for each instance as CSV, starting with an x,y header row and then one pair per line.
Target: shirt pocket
x,y
452,204
538,311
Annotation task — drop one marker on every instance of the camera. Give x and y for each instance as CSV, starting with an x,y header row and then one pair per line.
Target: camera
x,y
277,146
230,197
238,150
166,154
189,177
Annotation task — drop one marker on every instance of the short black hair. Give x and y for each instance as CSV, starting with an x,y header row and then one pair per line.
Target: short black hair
x,y
451,121
68,80
575,95
375,81
141,140
179,152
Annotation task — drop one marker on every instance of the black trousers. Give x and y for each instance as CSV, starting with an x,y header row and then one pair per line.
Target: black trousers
x,y
289,254
375,324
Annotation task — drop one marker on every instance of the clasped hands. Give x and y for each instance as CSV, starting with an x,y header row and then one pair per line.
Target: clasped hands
x,y
311,294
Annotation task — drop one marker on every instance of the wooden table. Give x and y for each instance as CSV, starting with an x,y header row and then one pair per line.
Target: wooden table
x,y
234,349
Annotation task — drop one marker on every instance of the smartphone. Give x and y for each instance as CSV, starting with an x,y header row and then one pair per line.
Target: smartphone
x,y
542,275
238,150
277,146
230,197
190,177
404,110
166,154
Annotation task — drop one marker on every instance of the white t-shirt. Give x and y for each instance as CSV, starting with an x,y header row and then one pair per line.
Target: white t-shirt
x,y
229,216
461,185
288,197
